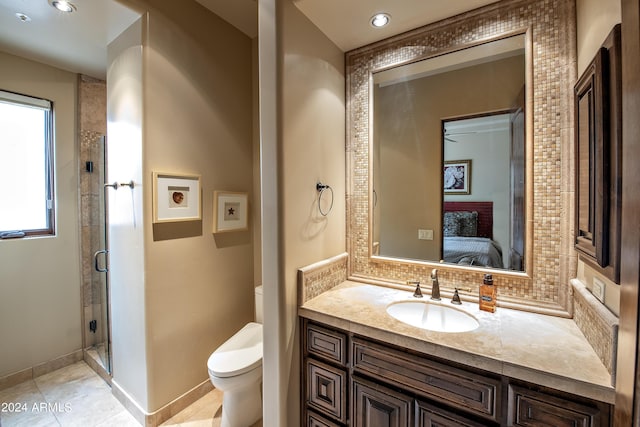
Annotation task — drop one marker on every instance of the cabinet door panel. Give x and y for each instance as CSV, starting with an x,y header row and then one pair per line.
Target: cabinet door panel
x,y
597,103
326,389
377,406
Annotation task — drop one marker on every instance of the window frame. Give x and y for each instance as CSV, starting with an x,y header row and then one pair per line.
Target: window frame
x,y
49,144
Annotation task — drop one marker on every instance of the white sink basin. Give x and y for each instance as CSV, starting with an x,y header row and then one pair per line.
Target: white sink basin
x,y
432,316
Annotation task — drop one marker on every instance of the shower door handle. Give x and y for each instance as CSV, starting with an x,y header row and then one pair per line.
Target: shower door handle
x,y
97,264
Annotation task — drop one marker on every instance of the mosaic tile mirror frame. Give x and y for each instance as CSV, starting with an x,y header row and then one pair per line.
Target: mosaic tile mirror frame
x,y
550,258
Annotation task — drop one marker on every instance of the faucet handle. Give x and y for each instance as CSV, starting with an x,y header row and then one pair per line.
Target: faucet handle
x,y
417,293
456,298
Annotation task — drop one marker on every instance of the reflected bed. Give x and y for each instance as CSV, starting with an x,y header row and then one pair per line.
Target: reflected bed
x,y
468,235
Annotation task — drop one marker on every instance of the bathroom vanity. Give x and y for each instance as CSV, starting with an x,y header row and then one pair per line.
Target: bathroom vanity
x,y
362,367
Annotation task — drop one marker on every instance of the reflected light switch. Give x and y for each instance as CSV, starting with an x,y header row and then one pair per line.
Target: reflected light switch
x,y
425,234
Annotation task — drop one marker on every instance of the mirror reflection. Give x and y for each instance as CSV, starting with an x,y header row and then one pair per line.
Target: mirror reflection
x,y
448,157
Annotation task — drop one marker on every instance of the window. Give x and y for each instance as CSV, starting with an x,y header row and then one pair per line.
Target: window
x,y
26,166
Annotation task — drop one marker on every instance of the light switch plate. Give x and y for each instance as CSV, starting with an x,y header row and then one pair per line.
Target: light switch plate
x,y
425,234
598,289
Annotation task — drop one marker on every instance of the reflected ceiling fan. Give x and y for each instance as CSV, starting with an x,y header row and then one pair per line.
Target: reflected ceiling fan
x,y
448,134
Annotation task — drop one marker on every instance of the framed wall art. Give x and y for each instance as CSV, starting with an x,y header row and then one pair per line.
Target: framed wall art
x,y
176,198
230,211
457,177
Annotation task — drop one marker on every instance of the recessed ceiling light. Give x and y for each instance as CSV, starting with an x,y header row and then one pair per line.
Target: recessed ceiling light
x,y
63,6
22,17
379,20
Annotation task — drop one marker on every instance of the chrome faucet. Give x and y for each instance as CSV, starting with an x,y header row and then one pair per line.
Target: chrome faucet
x,y
417,293
435,286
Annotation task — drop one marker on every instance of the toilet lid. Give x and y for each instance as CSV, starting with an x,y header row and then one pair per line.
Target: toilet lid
x,y
239,354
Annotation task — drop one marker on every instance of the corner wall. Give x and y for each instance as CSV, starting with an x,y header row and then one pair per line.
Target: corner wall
x,y
40,277
198,115
312,149
191,289
125,214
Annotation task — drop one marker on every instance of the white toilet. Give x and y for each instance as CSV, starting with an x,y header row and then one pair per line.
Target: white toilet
x,y
235,368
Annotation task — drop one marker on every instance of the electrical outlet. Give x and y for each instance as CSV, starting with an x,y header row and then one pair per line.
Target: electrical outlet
x,y
598,289
425,234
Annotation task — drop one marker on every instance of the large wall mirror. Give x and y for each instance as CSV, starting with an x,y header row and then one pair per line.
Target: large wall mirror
x,y
467,117
448,150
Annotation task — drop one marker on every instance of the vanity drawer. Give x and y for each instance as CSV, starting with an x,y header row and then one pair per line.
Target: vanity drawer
x,y
326,389
533,408
326,343
442,383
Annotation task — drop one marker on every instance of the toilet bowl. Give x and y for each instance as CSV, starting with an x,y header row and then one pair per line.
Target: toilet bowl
x,y
235,368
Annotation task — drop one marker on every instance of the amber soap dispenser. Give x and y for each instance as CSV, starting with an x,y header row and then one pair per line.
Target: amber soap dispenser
x,y
488,294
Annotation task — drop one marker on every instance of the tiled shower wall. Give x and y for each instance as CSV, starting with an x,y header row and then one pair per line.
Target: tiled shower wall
x,y
92,124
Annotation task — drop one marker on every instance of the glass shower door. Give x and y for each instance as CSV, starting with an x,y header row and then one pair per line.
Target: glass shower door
x,y
101,327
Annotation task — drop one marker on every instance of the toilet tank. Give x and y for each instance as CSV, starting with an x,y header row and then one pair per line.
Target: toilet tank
x,y
259,305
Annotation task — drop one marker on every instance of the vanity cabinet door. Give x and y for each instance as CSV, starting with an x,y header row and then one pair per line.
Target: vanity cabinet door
x,y
530,408
598,127
374,405
326,389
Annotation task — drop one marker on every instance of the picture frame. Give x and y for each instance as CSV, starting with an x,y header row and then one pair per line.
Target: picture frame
x,y
457,177
230,211
176,198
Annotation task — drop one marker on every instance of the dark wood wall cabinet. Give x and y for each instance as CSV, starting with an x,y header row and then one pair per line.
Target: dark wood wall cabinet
x,y
350,380
598,133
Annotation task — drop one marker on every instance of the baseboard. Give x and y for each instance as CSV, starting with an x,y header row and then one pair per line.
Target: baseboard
x,y
156,418
40,369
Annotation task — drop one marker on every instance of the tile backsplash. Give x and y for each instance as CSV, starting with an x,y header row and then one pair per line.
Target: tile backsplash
x,y
320,277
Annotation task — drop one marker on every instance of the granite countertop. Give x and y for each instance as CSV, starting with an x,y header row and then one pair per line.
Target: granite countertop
x,y
546,350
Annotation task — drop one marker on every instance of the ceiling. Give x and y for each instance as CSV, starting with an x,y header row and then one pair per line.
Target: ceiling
x,y
77,41
346,23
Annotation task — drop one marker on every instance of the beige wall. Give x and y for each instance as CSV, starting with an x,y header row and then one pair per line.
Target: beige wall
x,y
595,19
125,215
312,149
198,120
404,157
40,277
196,287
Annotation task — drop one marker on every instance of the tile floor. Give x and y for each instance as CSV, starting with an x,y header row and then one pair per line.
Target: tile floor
x,y
77,396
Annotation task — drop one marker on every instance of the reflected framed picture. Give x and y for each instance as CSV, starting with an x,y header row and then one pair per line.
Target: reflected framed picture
x,y
457,177
176,198
230,211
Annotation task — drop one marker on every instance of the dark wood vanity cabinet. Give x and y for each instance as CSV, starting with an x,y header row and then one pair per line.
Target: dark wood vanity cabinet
x,y
598,133
349,380
325,377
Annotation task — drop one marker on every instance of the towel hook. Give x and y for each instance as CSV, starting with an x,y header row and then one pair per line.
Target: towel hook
x,y
320,188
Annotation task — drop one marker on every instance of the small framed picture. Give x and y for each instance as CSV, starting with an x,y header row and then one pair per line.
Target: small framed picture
x,y
176,198
457,177
230,211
